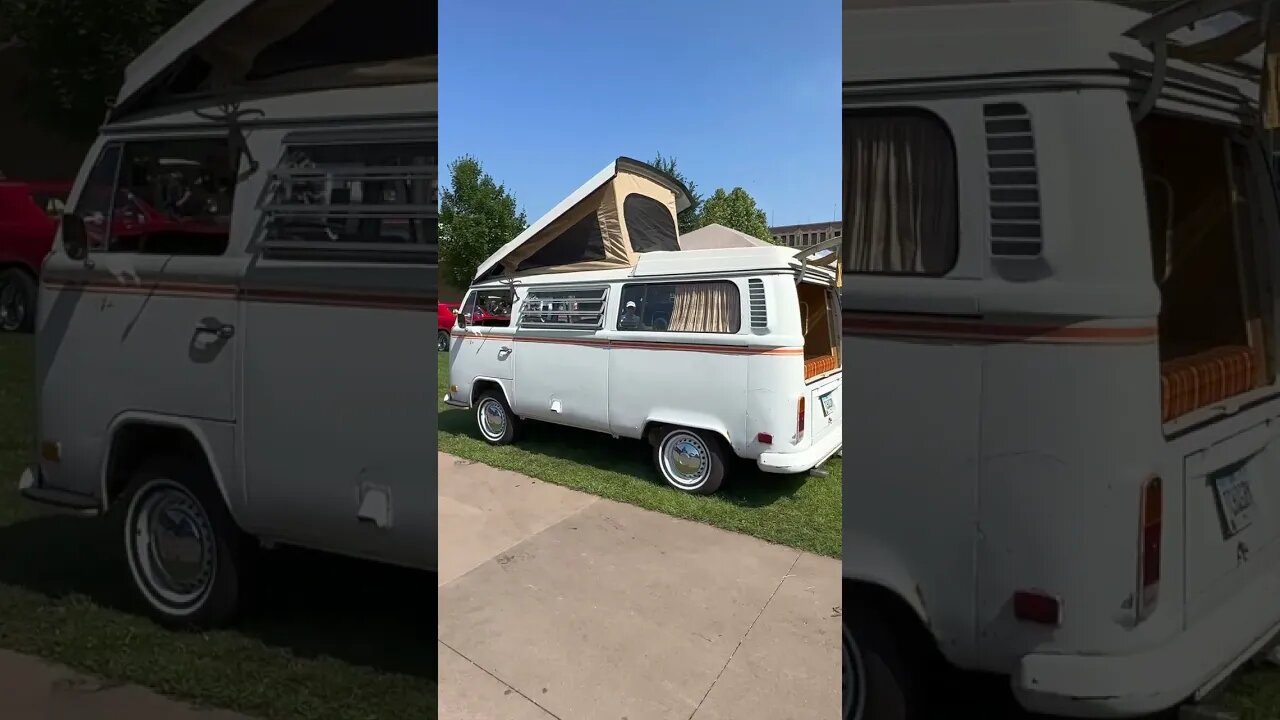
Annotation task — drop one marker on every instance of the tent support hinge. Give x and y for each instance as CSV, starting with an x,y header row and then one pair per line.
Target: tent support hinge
x,y
1160,59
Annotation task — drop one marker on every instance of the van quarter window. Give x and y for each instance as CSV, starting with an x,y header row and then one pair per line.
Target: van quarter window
x,y
488,308
370,194
698,307
172,197
569,309
900,206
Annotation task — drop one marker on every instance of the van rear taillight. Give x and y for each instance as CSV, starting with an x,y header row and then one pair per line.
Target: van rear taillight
x,y
800,416
1037,607
1150,516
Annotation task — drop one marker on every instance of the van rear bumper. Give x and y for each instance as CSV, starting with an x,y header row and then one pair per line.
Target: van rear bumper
x,y
786,463
1191,663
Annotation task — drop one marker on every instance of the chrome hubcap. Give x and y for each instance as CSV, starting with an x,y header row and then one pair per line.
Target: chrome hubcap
x,y
173,545
853,680
685,460
493,419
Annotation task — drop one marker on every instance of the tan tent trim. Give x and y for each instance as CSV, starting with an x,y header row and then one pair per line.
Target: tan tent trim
x,y
626,184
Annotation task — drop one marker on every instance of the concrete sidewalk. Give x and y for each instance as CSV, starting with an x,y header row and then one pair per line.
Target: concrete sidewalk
x,y
32,689
559,605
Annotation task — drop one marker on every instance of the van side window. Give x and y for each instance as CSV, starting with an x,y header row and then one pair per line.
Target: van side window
x,y
171,197
374,195
570,309
94,204
488,307
698,307
900,205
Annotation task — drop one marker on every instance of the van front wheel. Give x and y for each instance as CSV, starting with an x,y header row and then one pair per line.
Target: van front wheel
x,y
185,553
692,461
498,425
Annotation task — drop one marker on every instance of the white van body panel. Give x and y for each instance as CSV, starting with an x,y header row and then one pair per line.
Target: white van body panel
x,y
1033,383
315,397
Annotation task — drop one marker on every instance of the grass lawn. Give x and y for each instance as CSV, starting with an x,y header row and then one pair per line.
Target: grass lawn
x,y
800,511
331,640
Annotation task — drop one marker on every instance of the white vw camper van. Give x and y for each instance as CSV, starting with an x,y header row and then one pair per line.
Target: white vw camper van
x,y
230,331
594,318
1060,325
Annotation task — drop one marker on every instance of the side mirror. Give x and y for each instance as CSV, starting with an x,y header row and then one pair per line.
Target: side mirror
x,y
462,319
75,239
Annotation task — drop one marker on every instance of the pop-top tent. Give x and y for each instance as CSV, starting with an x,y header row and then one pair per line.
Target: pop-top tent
x,y
715,237
239,47
627,209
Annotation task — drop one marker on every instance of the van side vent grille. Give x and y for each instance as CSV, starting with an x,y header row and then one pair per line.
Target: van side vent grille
x,y
1013,181
755,299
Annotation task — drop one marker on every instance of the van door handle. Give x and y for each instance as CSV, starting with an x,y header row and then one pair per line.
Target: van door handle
x,y
224,331
504,349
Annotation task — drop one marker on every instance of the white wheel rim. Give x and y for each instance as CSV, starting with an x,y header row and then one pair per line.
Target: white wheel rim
x,y
685,460
169,542
492,419
854,679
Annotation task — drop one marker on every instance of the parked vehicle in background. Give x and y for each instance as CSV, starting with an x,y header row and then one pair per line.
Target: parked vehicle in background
x,y
29,216
446,316
229,334
1061,329
595,318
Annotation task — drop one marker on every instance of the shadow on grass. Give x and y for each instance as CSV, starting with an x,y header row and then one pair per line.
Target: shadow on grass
x,y
746,486
312,604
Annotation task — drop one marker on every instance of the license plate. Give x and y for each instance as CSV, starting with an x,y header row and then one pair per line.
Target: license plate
x,y
828,402
1235,499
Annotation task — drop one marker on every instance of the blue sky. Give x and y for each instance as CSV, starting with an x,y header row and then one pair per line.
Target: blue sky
x,y
547,93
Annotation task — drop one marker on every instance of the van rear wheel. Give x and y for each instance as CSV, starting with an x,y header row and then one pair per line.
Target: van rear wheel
x,y
879,680
692,461
498,425
185,554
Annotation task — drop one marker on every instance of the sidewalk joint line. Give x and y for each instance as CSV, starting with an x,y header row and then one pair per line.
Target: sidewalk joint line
x,y
504,682
746,634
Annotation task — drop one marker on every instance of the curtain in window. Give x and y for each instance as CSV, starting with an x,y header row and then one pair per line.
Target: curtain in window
x,y
900,195
705,307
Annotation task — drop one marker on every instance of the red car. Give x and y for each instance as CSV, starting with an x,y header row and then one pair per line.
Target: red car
x,y
29,216
446,316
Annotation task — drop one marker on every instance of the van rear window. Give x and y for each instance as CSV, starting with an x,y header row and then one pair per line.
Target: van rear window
x,y
900,207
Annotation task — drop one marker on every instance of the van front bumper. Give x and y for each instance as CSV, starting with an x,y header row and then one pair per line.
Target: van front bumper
x,y
452,401
1192,663
31,486
788,463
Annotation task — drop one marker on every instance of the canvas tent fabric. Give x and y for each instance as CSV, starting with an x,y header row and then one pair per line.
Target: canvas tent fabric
x,y
627,209
715,236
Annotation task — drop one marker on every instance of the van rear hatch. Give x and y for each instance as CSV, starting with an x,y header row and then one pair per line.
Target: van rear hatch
x,y
822,406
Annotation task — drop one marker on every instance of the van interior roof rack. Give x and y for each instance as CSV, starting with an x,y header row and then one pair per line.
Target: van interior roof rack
x,y
1228,47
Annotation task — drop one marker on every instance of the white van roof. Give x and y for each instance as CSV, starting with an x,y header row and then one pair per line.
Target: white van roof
x,y
281,46
888,40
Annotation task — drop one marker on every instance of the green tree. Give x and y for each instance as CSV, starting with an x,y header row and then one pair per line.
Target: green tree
x,y
78,50
735,209
477,216
688,219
